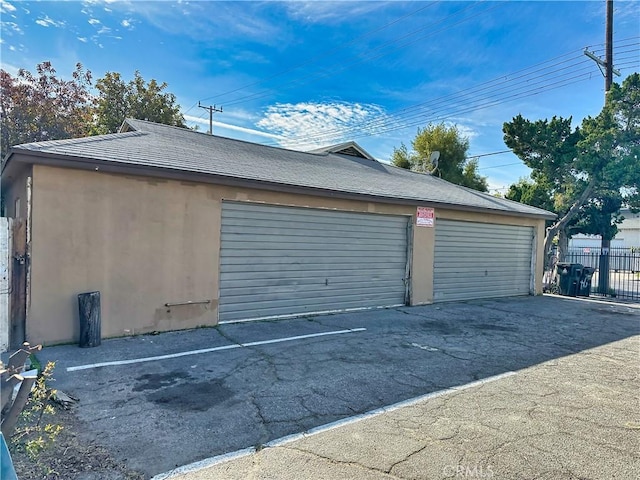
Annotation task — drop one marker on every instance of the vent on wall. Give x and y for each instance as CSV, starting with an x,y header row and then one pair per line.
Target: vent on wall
x,y
352,151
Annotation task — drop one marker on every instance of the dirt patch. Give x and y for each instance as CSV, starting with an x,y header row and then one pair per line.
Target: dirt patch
x,y
71,458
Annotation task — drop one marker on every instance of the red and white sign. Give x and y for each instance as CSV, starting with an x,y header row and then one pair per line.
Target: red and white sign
x,y
425,217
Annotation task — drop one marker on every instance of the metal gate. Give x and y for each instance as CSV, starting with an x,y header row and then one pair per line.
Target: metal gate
x,y
278,261
624,270
479,260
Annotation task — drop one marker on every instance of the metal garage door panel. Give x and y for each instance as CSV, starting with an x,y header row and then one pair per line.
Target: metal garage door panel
x,y
288,260
477,260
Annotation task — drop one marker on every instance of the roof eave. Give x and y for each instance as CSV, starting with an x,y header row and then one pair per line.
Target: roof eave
x,y
85,163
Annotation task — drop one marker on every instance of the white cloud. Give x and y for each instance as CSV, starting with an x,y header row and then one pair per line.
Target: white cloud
x,y
333,12
626,12
465,130
83,39
242,115
94,21
201,19
6,7
310,125
12,28
49,22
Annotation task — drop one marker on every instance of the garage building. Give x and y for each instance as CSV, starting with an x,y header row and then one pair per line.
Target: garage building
x,y
179,229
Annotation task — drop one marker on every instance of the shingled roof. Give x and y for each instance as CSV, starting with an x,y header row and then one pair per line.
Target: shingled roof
x,y
163,150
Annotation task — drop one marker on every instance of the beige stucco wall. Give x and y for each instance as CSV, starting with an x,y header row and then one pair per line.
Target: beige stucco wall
x,y
140,242
146,242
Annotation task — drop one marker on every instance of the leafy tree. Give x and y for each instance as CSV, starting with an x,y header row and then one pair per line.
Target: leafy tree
x,y
548,147
530,193
111,104
400,157
43,107
40,106
471,178
452,164
600,216
587,170
118,100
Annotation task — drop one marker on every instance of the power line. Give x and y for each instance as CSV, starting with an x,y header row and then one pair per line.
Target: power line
x,y
434,107
401,116
619,44
419,114
635,64
491,84
500,166
447,115
488,154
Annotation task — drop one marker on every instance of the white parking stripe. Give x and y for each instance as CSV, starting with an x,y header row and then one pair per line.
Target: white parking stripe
x,y
226,457
213,349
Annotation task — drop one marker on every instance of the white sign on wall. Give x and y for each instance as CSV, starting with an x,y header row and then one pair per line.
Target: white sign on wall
x,y
425,217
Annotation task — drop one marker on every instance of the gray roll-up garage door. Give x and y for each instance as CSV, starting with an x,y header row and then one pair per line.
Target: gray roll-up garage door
x,y
287,260
479,260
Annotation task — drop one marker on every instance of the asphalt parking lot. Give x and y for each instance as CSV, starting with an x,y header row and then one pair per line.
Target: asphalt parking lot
x,y
571,418
160,402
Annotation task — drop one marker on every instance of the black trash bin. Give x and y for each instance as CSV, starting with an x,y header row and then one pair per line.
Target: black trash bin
x,y
90,323
568,277
585,281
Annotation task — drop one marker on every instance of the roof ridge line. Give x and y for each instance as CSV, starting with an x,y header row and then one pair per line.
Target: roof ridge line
x,y
186,129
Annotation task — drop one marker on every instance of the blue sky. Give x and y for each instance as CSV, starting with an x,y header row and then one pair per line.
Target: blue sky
x,y
309,74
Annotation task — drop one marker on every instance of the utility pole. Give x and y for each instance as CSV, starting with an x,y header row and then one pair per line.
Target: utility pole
x,y
212,109
607,64
608,78
604,264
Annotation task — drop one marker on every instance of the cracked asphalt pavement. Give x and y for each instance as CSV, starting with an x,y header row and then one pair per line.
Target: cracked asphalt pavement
x,y
570,411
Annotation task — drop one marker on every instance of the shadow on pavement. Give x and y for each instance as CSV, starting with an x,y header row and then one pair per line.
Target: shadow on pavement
x,y
158,415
